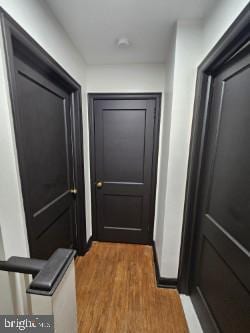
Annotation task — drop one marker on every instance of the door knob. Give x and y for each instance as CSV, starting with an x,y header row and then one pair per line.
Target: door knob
x,y
73,191
99,184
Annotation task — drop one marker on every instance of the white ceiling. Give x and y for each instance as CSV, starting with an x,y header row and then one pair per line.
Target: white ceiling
x,y
94,25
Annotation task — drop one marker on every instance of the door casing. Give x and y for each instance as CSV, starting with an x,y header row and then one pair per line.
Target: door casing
x,y
16,38
132,96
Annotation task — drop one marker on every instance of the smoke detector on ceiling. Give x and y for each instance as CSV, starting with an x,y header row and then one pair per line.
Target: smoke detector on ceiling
x,y
123,43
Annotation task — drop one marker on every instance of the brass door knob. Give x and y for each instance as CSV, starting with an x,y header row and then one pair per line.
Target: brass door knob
x,y
99,184
73,191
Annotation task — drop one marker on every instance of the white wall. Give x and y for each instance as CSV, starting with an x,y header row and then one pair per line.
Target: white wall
x,y
6,303
193,42
219,20
125,78
38,21
164,148
187,52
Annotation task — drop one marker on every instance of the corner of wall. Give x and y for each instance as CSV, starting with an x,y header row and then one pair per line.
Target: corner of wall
x,y
181,80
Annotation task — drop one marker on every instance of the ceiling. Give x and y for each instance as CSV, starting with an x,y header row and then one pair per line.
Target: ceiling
x,y
95,25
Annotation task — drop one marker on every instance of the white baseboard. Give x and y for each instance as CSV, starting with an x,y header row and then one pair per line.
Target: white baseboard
x,y
190,314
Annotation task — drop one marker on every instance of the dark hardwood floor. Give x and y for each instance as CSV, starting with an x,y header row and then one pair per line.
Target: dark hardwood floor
x,y
117,293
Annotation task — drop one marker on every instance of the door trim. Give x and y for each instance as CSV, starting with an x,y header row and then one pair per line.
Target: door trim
x,y
234,38
95,96
16,39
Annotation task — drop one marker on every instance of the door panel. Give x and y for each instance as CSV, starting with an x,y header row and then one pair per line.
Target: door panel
x,y
227,301
230,186
222,265
122,144
46,150
128,208
123,149
58,234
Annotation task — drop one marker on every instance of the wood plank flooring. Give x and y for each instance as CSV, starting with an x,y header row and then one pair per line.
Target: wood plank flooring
x,y
117,293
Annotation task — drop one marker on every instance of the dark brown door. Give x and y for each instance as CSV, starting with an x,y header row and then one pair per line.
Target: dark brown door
x,y
221,282
48,132
124,141
45,150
